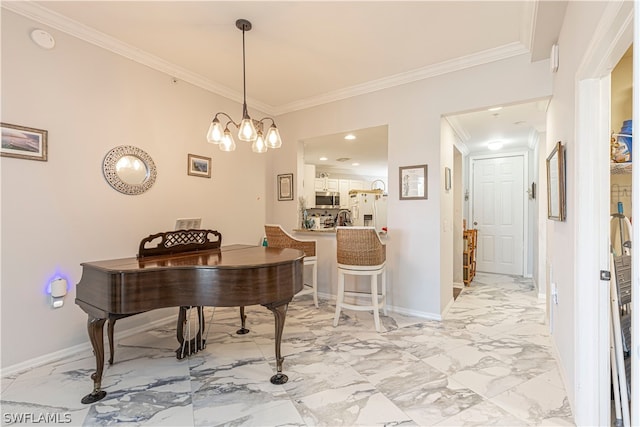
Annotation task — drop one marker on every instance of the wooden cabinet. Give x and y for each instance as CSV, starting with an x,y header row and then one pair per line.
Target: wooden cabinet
x,y
469,255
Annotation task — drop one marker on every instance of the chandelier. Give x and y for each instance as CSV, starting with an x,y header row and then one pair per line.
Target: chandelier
x,y
249,130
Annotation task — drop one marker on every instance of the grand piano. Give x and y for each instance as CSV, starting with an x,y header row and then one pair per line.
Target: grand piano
x,y
186,268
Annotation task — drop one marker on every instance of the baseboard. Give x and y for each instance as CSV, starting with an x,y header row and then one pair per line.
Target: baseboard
x,y
421,314
86,347
399,310
448,307
458,285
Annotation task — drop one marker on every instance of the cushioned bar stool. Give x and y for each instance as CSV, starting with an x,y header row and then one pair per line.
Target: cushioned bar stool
x,y
361,253
278,238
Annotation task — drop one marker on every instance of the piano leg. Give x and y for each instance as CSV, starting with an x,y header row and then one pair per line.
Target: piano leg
x,y
95,328
243,319
194,345
279,311
111,325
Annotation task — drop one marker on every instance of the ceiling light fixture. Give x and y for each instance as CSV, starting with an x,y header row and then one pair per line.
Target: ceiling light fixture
x,y
495,109
249,130
323,158
495,145
350,137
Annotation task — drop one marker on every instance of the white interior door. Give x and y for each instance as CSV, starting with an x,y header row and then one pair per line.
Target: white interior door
x,y
498,214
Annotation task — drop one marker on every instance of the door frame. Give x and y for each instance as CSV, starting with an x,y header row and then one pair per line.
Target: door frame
x,y
591,304
525,210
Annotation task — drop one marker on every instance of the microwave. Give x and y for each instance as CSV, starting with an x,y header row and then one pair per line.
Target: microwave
x,y
327,199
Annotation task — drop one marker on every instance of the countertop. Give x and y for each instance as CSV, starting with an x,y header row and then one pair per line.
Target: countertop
x,y
315,230
332,230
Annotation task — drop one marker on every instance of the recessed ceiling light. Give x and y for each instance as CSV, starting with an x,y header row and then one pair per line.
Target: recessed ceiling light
x,y
495,109
350,137
323,158
355,164
495,145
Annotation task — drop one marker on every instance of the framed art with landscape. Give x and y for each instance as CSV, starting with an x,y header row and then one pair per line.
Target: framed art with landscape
x,y
23,142
199,166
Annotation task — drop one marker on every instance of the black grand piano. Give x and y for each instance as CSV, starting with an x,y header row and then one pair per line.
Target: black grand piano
x,y
186,268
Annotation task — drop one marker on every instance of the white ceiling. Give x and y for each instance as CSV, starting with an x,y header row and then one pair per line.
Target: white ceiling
x,y
304,53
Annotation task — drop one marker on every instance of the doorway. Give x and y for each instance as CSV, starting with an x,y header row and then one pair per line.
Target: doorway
x,y
592,160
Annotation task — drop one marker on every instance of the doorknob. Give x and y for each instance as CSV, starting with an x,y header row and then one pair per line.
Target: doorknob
x,y
475,222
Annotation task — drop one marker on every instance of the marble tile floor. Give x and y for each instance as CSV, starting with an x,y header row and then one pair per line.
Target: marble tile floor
x,y
488,363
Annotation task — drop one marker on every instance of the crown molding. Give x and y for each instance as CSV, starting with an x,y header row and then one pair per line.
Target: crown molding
x,y
460,131
529,21
76,29
487,56
462,148
461,134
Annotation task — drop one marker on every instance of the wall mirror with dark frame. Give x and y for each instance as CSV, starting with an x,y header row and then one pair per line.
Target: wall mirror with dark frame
x,y
556,176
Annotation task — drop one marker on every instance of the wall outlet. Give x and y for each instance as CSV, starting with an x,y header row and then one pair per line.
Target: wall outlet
x,y
554,293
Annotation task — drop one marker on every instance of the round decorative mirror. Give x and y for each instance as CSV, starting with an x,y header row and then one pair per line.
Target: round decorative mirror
x,y
129,169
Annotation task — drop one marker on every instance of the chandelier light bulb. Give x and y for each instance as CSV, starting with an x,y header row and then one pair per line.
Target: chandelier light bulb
x,y
215,133
227,144
247,130
273,137
259,145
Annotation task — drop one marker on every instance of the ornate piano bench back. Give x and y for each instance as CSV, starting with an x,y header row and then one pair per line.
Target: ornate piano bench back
x,y
172,242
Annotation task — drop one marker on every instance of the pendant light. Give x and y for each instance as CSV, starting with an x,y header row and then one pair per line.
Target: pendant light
x,y
249,130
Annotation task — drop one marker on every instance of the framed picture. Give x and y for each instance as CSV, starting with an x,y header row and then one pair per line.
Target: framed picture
x,y
556,176
199,166
23,142
413,182
285,186
447,179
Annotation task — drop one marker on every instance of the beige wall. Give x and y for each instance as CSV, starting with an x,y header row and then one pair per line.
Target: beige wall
x,y
62,212
418,284
91,100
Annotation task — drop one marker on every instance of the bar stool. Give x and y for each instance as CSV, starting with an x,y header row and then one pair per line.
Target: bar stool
x,y
361,253
278,238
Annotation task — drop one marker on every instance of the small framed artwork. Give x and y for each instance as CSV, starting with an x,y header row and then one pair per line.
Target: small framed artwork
x,y
23,142
285,186
556,207
199,166
447,179
413,182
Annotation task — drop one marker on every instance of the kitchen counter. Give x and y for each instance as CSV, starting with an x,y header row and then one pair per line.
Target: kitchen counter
x,y
382,234
315,230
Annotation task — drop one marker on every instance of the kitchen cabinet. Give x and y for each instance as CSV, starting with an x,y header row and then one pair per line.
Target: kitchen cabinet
x,y
356,185
326,184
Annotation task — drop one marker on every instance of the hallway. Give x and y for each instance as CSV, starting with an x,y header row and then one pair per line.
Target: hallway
x,y
488,363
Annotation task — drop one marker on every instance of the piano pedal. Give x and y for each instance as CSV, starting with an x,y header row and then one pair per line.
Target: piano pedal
x,y
190,347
